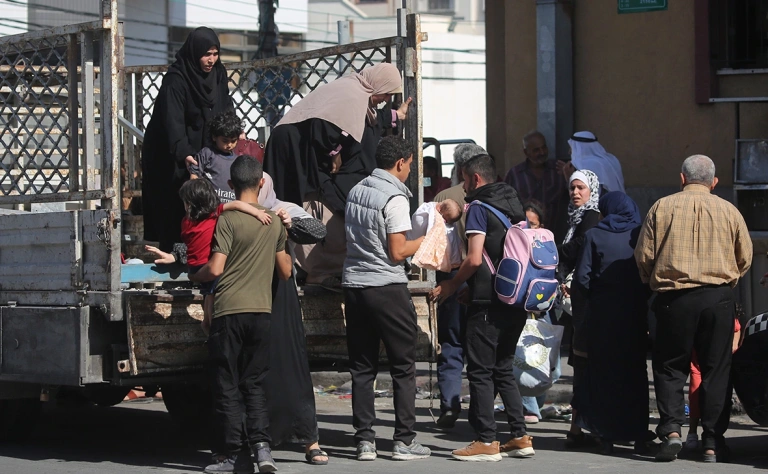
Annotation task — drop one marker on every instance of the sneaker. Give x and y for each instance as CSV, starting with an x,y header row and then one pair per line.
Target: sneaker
x,y
669,449
478,451
264,458
692,442
447,419
366,451
222,464
521,447
401,452
531,419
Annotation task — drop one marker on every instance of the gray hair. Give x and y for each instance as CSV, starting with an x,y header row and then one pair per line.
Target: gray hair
x,y
531,134
699,169
464,151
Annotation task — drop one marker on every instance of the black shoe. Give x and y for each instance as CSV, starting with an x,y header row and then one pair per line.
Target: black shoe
x,y
579,441
641,447
606,447
264,460
447,419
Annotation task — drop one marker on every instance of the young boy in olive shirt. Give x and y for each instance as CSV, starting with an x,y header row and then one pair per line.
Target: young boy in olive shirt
x,y
244,256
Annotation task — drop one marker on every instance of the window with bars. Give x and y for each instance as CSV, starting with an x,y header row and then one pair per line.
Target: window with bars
x,y
440,5
738,34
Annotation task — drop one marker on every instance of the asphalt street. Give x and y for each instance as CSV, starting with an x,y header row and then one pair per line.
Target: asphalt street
x,y
138,437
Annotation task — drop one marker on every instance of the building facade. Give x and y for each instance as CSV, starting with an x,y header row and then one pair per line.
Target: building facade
x,y
655,87
453,58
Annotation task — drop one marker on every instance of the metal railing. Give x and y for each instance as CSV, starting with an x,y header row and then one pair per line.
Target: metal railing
x,y
58,113
262,90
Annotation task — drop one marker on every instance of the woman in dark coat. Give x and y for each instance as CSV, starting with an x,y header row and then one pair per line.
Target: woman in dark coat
x,y
583,215
194,90
615,325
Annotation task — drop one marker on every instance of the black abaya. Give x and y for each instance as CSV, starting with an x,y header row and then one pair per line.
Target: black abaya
x,y
297,158
615,405
176,130
290,396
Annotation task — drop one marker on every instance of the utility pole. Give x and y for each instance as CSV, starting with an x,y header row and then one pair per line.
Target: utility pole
x,y
268,34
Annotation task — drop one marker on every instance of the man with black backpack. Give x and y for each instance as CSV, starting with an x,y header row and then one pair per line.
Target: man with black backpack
x,y
493,328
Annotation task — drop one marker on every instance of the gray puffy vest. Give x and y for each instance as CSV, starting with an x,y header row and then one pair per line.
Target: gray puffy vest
x,y
368,263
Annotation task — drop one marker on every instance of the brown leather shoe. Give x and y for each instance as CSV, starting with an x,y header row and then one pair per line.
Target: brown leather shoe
x,y
518,447
478,451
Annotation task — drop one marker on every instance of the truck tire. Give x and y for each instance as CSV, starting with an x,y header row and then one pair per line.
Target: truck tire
x,y
18,418
190,406
106,395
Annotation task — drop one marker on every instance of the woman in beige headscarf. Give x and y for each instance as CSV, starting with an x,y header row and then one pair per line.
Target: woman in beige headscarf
x,y
324,146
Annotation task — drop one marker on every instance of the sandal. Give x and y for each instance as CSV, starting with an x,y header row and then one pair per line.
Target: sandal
x,y
314,453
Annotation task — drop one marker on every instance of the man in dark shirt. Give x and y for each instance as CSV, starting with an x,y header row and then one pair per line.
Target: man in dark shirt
x,y
537,179
493,328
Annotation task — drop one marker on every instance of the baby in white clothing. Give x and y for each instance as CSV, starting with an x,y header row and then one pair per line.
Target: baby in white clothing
x,y
450,211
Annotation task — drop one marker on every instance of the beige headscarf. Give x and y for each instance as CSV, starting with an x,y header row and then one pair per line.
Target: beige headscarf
x,y
345,102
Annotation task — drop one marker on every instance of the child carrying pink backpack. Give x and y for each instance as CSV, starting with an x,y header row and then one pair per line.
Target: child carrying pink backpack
x,y
525,276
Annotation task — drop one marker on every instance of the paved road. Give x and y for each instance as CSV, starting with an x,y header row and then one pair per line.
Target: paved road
x,y
139,437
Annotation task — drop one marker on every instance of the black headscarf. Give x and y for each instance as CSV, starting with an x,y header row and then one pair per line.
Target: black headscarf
x,y
203,86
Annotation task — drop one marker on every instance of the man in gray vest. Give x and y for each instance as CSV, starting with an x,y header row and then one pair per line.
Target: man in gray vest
x,y
378,306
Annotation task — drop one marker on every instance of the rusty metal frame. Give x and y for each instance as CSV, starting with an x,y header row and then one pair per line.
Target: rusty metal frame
x,y
57,122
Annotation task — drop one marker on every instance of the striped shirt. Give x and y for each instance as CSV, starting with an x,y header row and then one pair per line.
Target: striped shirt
x,y
550,191
691,239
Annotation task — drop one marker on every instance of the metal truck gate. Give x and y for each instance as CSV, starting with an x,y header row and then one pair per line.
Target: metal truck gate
x,y
59,91
264,90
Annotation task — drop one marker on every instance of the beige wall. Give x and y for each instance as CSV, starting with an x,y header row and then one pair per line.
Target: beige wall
x,y
633,86
510,77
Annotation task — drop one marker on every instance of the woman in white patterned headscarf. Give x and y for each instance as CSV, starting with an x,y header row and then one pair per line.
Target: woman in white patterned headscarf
x,y
583,214
584,188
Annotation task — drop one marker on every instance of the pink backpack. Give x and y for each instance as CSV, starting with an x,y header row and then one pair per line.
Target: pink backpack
x,y
525,276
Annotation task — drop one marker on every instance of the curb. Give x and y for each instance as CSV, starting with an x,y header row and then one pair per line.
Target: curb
x,y
559,394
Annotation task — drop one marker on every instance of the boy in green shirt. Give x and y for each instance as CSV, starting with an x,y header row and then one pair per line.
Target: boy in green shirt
x,y
244,257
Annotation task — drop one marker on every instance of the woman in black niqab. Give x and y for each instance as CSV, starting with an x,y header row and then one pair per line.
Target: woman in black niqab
x,y
188,99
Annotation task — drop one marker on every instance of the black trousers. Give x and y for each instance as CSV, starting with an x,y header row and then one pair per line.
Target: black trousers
x,y
382,314
238,348
492,335
700,319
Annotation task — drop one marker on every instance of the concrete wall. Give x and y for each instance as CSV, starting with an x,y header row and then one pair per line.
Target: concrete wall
x,y
510,78
141,36
291,15
15,17
633,86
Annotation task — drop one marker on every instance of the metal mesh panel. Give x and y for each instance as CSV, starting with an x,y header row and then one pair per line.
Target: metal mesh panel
x,y
34,116
263,91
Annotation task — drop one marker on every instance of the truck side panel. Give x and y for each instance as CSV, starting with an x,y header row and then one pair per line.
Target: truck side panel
x,y
48,346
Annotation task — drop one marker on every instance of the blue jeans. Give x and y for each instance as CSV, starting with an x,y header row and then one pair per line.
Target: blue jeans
x,y
451,326
532,405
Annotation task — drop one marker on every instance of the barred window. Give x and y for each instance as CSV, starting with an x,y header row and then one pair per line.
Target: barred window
x,y
738,33
440,4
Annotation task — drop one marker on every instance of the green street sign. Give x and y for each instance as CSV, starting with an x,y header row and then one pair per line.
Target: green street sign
x,y
639,6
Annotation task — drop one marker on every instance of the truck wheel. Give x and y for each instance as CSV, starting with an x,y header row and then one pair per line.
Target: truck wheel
x,y
106,395
190,406
18,418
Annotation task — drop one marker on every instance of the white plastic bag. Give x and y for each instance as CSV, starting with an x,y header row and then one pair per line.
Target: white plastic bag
x,y
538,350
